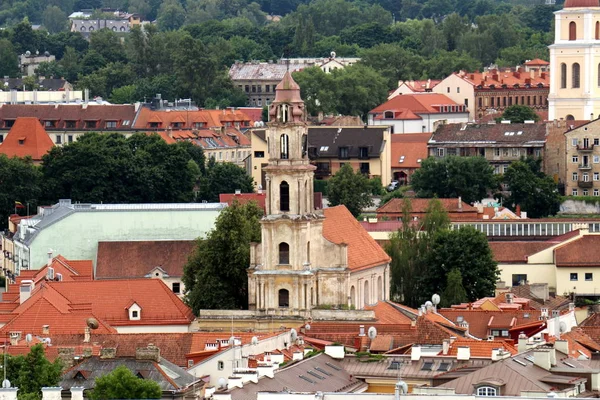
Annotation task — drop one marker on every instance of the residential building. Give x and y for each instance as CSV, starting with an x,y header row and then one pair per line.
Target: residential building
x,y
500,144
28,62
36,96
85,26
412,87
42,83
456,209
259,79
156,259
574,60
303,264
366,149
75,230
174,381
537,65
582,159
418,113
26,138
408,151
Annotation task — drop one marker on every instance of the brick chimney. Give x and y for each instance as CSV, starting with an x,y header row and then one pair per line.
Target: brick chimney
x,y
151,352
108,352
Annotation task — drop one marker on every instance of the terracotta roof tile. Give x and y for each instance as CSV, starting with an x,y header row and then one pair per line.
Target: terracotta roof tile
x,y
537,61
27,137
481,348
136,259
480,321
387,313
363,251
190,119
409,105
517,252
579,252
420,206
498,78
408,150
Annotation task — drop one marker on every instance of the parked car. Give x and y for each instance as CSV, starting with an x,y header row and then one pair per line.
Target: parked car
x,y
393,186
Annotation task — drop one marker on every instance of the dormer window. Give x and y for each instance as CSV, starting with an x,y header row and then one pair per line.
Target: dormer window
x,y
388,115
135,312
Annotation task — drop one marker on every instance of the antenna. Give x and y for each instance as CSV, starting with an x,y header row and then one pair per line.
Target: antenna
x,y
5,382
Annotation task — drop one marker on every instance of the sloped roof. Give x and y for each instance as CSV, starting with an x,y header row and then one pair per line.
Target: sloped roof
x,y
420,206
517,252
389,313
490,134
135,259
481,348
421,103
408,150
242,198
481,320
581,3
584,250
27,137
326,141
189,118
497,78
363,251
537,61
422,85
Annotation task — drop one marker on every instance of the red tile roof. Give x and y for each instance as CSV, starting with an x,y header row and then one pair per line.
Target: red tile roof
x,y
581,3
480,321
421,86
408,150
27,137
363,251
136,259
420,206
583,251
407,106
498,78
537,61
388,313
190,119
517,252
243,198
481,348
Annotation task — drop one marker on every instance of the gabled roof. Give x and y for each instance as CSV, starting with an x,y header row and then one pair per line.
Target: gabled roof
x,y
421,86
413,104
583,251
189,118
27,137
481,348
490,134
326,141
408,150
581,3
481,321
537,61
510,79
135,259
363,251
420,206
517,252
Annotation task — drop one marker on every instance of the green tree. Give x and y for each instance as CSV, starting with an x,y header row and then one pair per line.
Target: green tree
x,y
171,15
519,114
32,372
121,383
215,275
55,20
21,182
224,177
532,190
106,43
70,63
454,293
471,178
394,62
9,63
351,189
467,250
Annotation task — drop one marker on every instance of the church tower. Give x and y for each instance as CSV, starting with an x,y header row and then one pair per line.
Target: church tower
x,y
575,62
294,268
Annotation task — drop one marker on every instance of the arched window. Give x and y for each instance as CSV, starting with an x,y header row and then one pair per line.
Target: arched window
x,y
597,30
123,29
570,117
304,145
284,196
285,146
572,30
284,253
284,298
575,69
486,391
114,28
366,294
82,29
352,296
91,28
379,289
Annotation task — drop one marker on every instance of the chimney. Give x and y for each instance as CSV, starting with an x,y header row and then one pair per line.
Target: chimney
x,y
67,356
335,351
415,353
76,393
234,382
14,338
463,353
562,346
518,210
45,329
51,393
459,203
522,343
265,370
542,358
445,346
25,290
109,353
49,258
509,298
8,393
148,353
87,335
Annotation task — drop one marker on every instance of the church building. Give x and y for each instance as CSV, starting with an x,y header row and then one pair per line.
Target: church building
x,y
307,258
575,62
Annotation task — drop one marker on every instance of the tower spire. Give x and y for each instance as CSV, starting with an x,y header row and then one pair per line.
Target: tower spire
x,y
288,105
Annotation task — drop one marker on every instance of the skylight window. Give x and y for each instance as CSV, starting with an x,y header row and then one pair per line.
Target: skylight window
x,y
419,160
324,148
519,362
427,366
568,364
444,367
402,159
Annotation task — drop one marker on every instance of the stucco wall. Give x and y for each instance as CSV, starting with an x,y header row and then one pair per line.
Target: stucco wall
x,y
153,328
538,273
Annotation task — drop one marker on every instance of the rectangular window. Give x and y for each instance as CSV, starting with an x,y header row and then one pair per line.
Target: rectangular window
x,y
343,153
596,159
363,152
247,88
1,138
519,279
574,276
505,152
516,152
448,89
596,192
497,152
574,142
90,124
504,169
586,177
596,142
574,192
575,159
253,88
585,192
259,154
575,176
267,88
9,123
112,124
176,287
259,88
70,138
364,168
440,152
504,333
457,90
50,124
58,139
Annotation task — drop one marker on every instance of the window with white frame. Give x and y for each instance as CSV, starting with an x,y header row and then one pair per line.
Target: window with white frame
x,y
574,142
440,152
586,177
596,192
574,192
575,176
597,142
516,152
504,169
505,152
487,391
575,159
596,176
585,192
596,159
497,152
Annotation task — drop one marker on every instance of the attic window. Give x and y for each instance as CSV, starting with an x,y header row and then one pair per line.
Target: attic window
x,y
444,366
135,312
80,375
388,115
394,365
324,148
21,141
427,366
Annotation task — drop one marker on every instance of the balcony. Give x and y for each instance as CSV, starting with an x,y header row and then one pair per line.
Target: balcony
x,y
585,149
585,167
585,184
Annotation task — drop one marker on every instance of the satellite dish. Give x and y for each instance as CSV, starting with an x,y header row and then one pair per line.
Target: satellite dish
x,y
428,304
254,341
27,53
92,323
307,327
562,327
372,333
222,383
6,384
47,53
333,54
293,335
435,299
28,338
401,387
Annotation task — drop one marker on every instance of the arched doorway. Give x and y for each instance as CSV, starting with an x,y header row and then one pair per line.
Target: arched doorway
x,y
352,296
366,294
379,289
284,298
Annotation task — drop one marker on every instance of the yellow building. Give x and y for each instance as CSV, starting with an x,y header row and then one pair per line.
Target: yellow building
x,y
575,62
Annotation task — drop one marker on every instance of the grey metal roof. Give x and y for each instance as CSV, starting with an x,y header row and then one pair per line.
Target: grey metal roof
x,y
94,367
262,71
318,373
491,134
